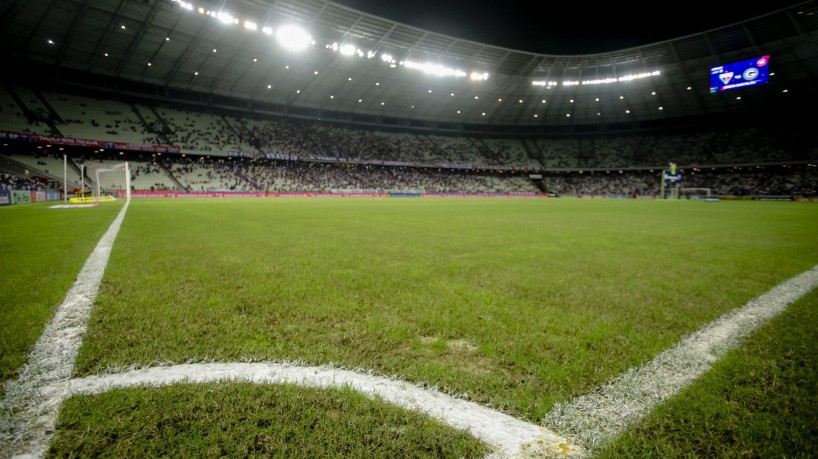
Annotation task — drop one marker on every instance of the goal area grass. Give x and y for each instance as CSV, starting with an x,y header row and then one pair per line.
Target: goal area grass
x,y
516,304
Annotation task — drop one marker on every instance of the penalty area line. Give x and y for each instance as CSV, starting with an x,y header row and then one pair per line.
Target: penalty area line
x,y
595,418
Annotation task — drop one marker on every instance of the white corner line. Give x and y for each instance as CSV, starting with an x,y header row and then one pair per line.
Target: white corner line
x,y
510,436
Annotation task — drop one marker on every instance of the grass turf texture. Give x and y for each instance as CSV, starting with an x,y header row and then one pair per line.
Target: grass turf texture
x,y
42,251
243,420
516,304
758,402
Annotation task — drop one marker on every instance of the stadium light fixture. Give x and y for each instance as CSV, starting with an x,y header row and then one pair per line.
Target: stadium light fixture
x,y
250,25
435,69
347,49
225,18
267,30
293,37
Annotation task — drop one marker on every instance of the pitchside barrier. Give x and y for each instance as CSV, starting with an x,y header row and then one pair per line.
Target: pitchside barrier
x,y
238,194
8,197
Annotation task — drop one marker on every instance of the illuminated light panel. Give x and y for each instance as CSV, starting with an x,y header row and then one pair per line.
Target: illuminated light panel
x,y
250,25
347,50
624,78
435,69
225,18
293,37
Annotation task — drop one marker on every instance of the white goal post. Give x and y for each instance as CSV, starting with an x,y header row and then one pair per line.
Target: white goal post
x,y
112,180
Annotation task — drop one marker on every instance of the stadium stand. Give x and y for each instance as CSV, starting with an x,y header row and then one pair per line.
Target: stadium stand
x,y
14,118
99,119
217,150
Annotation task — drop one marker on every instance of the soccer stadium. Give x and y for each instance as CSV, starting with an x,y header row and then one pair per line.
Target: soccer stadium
x,y
291,228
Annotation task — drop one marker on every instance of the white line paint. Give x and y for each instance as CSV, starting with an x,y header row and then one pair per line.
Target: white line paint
x,y
511,437
29,408
599,416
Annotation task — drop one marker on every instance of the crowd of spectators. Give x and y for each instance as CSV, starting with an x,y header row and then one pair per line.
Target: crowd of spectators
x,y
734,181
296,176
15,182
333,157
749,145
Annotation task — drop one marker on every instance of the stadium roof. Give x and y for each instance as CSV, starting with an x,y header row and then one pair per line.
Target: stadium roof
x,y
364,68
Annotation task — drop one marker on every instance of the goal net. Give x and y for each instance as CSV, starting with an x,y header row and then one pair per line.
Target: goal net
x,y
695,193
111,181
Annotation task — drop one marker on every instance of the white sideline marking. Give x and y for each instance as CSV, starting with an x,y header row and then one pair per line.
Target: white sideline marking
x,y
601,415
509,435
29,409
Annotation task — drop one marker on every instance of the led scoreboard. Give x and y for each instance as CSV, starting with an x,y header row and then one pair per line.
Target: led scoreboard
x,y
739,74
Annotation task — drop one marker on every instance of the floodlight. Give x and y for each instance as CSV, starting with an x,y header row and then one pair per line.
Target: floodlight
x,y
347,49
267,30
250,25
293,37
477,76
225,18
434,69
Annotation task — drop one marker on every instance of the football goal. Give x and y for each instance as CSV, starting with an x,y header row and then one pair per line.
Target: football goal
x,y
695,193
111,181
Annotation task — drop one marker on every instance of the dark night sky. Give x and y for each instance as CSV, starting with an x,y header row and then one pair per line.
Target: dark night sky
x,y
568,27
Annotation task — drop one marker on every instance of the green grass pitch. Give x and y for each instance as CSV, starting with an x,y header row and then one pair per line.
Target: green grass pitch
x,y
513,303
